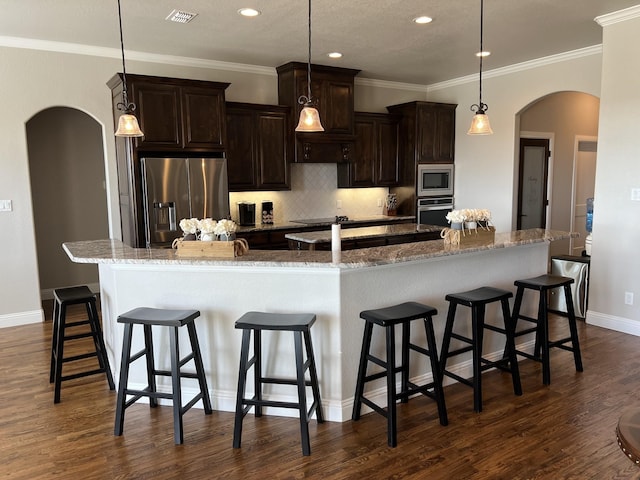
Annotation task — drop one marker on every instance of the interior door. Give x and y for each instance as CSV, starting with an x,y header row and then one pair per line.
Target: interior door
x,y
585,179
532,185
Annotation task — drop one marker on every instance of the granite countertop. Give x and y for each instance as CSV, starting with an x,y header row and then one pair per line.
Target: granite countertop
x,y
115,252
324,222
324,236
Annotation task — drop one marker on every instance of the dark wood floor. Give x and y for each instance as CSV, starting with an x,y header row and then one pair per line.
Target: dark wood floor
x,y
564,431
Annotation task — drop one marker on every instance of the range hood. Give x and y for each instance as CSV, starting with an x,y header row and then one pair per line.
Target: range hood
x,y
332,88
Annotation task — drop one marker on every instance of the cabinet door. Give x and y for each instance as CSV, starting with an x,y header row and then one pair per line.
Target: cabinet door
x,y
388,153
240,150
203,113
445,134
435,134
363,163
337,105
272,150
159,115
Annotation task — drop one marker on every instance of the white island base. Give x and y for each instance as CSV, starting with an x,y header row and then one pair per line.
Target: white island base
x,y
304,282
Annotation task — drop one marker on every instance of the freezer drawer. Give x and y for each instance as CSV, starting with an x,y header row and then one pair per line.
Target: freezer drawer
x,y
578,269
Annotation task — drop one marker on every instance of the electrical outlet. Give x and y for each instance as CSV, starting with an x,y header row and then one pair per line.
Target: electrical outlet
x,y
379,202
628,298
6,206
338,204
635,194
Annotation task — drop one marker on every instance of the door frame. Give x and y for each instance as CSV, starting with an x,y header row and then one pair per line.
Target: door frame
x,y
550,136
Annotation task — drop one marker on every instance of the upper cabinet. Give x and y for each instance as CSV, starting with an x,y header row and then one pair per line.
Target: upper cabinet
x,y
177,114
427,131
375,160
332,90
258,147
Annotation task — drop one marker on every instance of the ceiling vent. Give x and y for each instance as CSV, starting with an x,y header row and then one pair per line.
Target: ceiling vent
x,y
180,16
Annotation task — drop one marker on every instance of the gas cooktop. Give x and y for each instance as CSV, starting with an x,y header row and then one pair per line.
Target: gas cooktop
x,y
311,221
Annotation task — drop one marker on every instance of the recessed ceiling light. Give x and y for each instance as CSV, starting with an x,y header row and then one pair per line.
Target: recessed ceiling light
x,y
334,55
483,54
249,12
181,16
423,19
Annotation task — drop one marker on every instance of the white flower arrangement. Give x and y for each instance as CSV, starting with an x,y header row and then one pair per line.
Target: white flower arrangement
x,y
207,225
455,216
189,225
225,227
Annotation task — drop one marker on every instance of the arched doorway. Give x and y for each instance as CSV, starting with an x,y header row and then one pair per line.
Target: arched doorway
x,y
562,118
67,175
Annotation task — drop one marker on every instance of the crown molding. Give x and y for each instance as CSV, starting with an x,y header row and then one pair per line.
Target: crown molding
x,y
372,82
519,67
78,49
619,16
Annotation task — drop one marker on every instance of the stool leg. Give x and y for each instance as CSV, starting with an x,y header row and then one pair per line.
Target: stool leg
x,y
242,383
516,315
446,339
477,327
257,371
542,338
197,360
404,366
178,432
302,394
62,313
313,373
435,371
511,347
98,341
124,377
150,362
362,370
571,316
391,387
54,340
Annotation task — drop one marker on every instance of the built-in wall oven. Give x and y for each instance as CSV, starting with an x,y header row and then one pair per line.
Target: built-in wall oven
x,y
433,210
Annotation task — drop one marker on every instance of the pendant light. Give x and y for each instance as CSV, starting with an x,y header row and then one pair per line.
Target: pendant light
x,y
127,123
480,122
309,116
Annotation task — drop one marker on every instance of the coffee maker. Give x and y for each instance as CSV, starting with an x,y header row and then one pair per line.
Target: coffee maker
x,y
246,214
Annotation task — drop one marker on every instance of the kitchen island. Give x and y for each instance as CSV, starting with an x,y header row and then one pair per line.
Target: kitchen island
x,y
336,287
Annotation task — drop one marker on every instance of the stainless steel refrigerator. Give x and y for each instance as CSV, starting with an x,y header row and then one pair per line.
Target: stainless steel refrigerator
x,y
578,269
177,188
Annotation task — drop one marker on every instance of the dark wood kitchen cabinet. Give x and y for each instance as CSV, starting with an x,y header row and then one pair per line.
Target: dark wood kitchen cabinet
x,y
177,114
258,139
332,89
179,118
428,131
375,160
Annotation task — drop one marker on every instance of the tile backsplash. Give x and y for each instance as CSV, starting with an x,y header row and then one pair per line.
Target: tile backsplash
x,y
313,194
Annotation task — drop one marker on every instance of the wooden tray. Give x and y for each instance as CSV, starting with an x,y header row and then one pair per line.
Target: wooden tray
x,y
215,249
478,236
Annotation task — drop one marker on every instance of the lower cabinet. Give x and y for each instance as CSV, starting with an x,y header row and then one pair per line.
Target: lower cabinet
x,y
257,147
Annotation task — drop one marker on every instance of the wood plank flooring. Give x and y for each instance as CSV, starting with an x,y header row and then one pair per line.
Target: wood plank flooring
x,y
563,431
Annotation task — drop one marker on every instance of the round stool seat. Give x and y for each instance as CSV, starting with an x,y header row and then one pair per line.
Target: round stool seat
x,y
398,313
158,316
276,321
479,296
544,282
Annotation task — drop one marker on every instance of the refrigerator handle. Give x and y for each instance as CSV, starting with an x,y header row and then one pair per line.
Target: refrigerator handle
x,y
165,215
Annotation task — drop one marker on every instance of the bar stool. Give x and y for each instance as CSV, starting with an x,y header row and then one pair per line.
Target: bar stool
x,y
63,297
174,319
300,324
388,318
477,300
543,284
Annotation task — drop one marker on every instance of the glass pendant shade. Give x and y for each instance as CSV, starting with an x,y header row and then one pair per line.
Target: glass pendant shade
x,y
128,126
480,125
309,120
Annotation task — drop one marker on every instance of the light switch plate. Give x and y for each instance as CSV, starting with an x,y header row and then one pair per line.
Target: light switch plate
x,y
635,194
6,206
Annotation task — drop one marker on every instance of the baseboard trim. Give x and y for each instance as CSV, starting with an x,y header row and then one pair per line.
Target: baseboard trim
x,y
21,318
619,324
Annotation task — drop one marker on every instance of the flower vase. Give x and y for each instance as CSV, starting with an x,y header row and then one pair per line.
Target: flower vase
x,y
456,225
471,225
226,237
207,237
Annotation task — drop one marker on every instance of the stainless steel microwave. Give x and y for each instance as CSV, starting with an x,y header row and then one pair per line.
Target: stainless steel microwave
x,y
434,179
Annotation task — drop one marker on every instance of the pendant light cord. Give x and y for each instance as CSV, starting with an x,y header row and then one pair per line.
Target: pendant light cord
x,y
309,63
481,50
125,105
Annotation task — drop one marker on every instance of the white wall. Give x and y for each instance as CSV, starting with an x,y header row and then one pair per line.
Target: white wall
x,y
615,261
